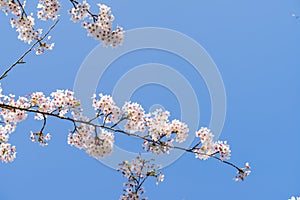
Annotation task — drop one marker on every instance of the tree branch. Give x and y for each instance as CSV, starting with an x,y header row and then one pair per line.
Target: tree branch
x,y
20,60
111,128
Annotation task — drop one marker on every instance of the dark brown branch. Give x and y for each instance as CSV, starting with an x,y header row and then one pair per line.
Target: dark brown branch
x,y
105,118
196,145
141,183
74,121
44,123
22,8
98,115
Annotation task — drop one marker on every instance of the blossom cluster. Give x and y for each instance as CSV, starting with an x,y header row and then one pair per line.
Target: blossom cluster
x,y
40,138
11,6
100,27
7,152
95,144
25,27
106,106
161,133
14,110
160,137
136,172
59,104
80,11
49,9
24,24
136,117
209,147
44,46
8,121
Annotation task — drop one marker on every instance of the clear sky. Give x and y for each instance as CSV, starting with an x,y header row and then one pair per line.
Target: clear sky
x,y
255,45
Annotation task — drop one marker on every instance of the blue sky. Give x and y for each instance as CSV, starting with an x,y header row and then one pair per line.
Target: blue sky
x,y
255,45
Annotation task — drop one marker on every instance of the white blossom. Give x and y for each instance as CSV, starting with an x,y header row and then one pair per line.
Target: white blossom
x,y
100,146
7,152
180,129
108,107
49,9
135,116
24,26
80,12
101,28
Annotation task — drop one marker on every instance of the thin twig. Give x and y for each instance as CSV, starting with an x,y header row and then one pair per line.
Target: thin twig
x,y
141,183
20,60
44,123
117,123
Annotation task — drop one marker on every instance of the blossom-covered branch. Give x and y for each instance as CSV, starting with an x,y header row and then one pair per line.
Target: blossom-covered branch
x,y
21,58
158,133
100,28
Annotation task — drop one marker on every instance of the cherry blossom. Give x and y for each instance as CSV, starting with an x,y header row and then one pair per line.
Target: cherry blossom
x,y
40,138
135,116
158,124
7,152
162,133
243,172
24,26
11,6
83,133
60,101
49,9
43,46
106,105
101,28
98,139
158,147
209,147
95,144
3,135
100,146
3,3
223,149
64,101
180,129
80,12
136,172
